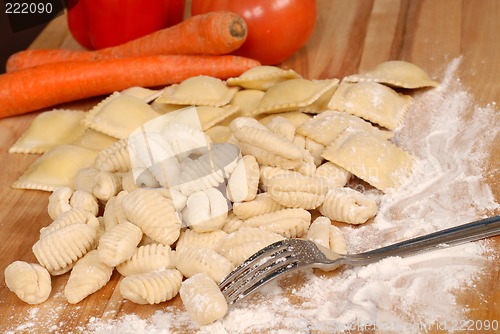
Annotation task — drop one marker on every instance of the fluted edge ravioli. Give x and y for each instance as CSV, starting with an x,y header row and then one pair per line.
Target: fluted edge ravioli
x,y
396,73
371,158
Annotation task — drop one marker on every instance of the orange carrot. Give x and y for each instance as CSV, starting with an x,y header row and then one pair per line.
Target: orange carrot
x,y
214,33
47,85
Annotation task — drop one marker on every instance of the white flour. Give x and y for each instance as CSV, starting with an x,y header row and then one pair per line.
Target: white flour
x,y
395,295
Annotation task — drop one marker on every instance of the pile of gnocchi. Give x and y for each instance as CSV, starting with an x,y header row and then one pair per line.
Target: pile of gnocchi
x,y
175,188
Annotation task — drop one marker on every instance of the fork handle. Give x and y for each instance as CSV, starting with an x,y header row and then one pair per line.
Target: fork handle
x,y
441,239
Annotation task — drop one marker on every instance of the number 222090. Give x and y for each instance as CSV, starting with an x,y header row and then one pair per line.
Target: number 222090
x,y
28,8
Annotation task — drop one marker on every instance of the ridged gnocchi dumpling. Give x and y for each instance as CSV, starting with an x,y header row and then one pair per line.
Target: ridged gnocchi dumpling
x,y
72,216
244,180
290,223
29,281
195,259
147,258
87,276
333,175
203,299
210,240
261,204
85,179
209,170
114,213
297,190
82,199
348,205
206,210
151,288
118,244
59,249
154,212
106,185
246,241
327,235
59,201
115,158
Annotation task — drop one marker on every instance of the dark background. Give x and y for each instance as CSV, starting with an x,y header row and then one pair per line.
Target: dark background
x,y
11,42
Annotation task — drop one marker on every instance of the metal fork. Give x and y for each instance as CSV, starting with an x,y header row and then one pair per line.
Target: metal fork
x,y
286,256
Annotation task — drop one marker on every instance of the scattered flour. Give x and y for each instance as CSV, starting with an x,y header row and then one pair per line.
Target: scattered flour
x,y
395,295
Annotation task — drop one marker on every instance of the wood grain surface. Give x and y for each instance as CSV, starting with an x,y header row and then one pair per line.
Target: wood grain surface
x,y
350,37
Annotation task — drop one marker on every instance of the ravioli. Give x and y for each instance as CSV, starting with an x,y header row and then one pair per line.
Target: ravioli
x,y
396,73
371,101
49,129
118,115
199,90
56,168
371,158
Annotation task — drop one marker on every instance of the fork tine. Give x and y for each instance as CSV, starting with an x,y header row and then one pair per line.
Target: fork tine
x,y
260,268
269,251
260,278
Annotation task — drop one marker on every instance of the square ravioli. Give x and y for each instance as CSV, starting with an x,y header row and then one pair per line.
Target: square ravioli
x,y
56,168
118,115
371,101
49,129
371,158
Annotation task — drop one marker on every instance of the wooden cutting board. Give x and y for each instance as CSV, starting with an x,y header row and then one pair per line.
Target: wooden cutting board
x,y
350,37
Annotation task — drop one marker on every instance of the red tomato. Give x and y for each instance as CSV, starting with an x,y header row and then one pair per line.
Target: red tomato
x,y
97,24
276,28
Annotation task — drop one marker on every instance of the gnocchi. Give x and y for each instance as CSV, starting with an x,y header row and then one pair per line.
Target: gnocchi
x,y
229,168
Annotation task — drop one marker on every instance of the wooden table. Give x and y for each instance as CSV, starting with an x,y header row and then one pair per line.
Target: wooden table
x,y
350,37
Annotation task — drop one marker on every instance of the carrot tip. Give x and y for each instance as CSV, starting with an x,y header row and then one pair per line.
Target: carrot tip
x,y
238,28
